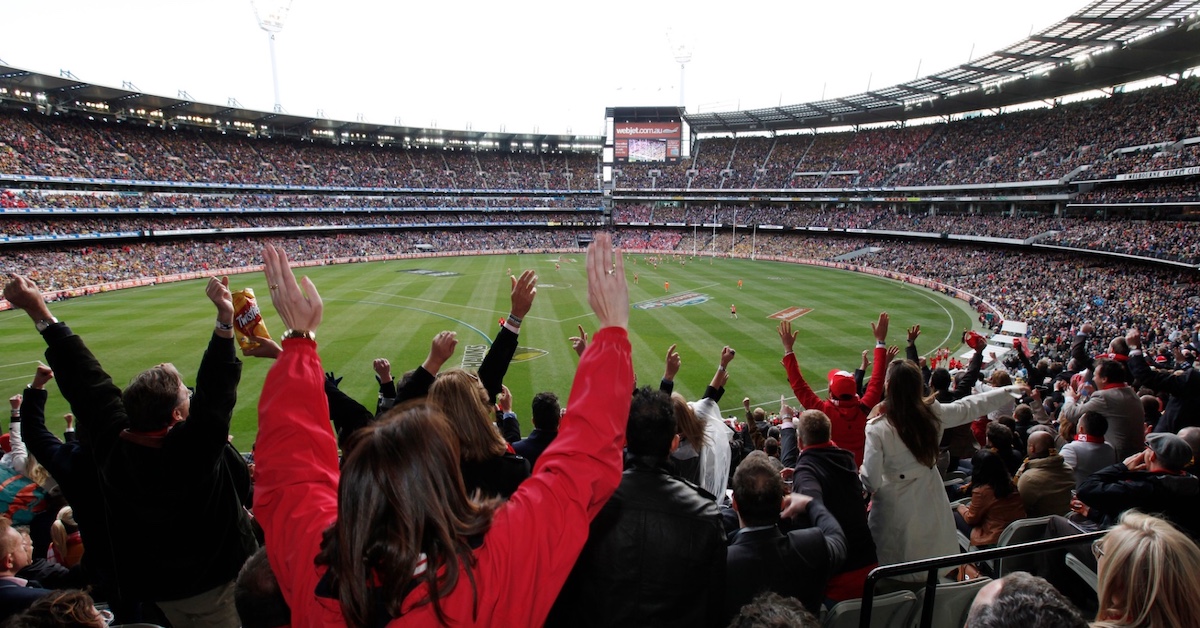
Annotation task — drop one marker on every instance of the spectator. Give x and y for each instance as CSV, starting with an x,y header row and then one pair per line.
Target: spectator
x,y
166,468
1117,401
1152,480
827,473
528,545
259,600
62,609
771,610
16,594
1183,405
845,409
994,503
1147,574
910,517
545,412
655,520
1019,600
1088,453
486,463
762,558
1045,481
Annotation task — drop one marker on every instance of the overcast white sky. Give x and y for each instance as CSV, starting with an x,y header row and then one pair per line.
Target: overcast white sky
x,y
521,65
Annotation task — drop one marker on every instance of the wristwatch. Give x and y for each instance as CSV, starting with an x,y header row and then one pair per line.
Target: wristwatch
x,y
44,323
300,333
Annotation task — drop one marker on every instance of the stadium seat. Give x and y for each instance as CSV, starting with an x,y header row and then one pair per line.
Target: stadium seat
x,y
1084,572
950,605
893,609
1017,532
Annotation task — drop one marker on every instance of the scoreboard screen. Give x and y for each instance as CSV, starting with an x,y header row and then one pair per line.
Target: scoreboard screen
x,y
635,142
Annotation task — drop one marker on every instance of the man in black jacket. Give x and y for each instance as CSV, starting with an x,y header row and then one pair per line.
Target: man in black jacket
x,y
545,413
655,554
178,531
826,473
1183,405
1151,481
762,558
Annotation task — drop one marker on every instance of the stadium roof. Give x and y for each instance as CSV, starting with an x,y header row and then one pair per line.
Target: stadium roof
x,y
1107,43
68,93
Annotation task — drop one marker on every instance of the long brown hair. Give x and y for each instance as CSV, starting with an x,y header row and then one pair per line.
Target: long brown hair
x,y
686,421
463,399
401,501
909,413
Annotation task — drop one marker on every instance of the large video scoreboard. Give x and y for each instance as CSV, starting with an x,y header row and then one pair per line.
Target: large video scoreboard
x,y
647,141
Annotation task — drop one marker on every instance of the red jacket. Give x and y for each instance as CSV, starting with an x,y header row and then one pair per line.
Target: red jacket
x,y
849,418
534,539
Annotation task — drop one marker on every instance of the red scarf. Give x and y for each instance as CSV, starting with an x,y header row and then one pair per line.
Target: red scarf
x,y
1111,385
825,445
1088,438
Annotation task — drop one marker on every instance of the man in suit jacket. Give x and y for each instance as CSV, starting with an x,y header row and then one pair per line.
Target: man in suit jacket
x,y
16,594
762,558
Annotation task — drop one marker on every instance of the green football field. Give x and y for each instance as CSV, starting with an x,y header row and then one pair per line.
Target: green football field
x,y
393,309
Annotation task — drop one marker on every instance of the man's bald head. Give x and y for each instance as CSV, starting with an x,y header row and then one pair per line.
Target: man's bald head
x,y
1040,444
1191,436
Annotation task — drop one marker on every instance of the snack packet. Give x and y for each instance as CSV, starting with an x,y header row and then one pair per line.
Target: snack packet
x,y
247,320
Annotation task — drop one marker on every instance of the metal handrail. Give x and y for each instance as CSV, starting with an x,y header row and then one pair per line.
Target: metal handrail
x,y
932,565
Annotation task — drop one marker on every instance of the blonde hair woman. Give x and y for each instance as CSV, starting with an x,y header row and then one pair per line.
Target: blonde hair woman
x,y
66,547
487,464
1148,574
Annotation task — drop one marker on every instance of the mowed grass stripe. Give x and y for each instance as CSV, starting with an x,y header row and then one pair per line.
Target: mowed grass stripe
x,y
378,310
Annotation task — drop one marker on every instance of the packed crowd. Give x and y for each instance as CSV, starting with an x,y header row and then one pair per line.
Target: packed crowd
x,y
434,508
84,225
73,147
1033,145
1186,190
65,199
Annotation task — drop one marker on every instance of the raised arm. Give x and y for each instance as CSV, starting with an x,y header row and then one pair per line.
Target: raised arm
x,y
671,369
716,387
217,378
94,399
39,440
874,392
500,354
296,464
804,393
974,406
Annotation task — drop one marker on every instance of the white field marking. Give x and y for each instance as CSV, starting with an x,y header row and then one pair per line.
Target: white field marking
x,y
16,364
949,334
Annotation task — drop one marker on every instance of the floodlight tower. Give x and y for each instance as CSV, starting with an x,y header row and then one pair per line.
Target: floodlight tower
x,y
271,15
682,56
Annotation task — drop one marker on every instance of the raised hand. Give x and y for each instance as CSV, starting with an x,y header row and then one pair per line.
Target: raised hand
x,y
913,332
727,356
787,336
524,289
15,402
579,343
218,292
24,294
383,369
880,329
1134,338
892,352
673,363
504,399
42,376
299,309
440,350
607,293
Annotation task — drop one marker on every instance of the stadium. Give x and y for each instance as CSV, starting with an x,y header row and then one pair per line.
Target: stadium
x,y
1034,192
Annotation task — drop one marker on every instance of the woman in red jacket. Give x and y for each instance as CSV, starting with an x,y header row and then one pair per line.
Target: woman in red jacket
x,y
399,541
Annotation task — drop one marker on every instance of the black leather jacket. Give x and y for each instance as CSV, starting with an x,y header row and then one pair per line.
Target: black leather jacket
x,y
655,556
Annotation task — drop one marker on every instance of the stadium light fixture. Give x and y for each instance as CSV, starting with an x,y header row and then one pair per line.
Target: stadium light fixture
x,y
271,15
